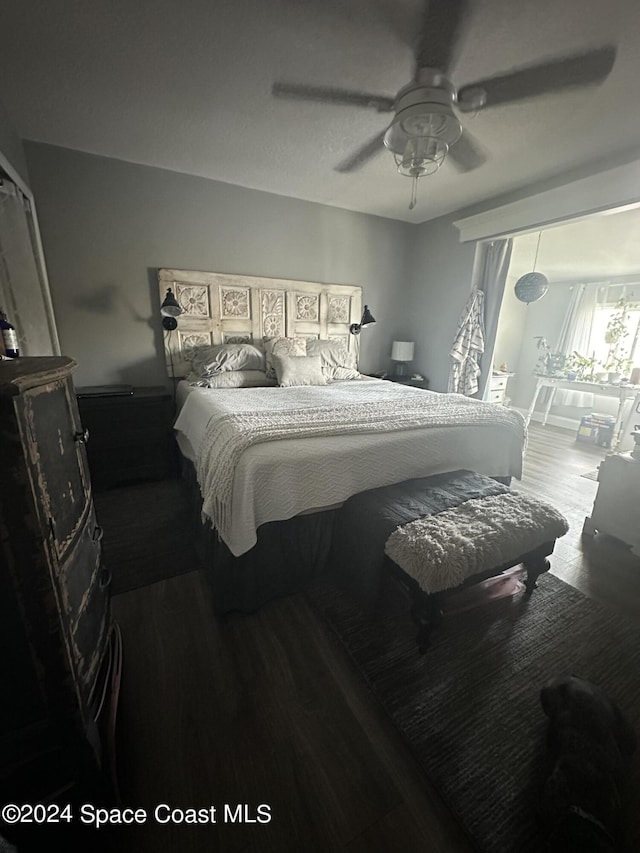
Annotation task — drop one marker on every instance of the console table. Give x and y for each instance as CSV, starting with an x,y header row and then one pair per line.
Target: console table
x,y
621,392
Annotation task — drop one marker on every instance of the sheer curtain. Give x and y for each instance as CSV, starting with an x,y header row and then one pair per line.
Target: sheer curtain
x,y
575,332
575,336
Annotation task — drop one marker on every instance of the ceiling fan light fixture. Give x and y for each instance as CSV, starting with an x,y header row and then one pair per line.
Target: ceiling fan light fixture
x,y
423,155
425,120
420,135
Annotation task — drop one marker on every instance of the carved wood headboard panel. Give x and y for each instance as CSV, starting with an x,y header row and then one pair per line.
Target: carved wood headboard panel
x,y
222,308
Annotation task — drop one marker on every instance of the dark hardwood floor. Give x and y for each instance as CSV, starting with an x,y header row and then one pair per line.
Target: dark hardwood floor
x,y
265,709
601,567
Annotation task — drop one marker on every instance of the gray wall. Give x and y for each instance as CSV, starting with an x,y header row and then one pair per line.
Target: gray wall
x,y
11,148
543,318
438,287
108,225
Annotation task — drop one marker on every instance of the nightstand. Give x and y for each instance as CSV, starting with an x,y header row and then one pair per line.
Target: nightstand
x,y
498,387
130,435
405,380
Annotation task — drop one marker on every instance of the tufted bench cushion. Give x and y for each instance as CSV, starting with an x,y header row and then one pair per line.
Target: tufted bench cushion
x,y
442,551
366,520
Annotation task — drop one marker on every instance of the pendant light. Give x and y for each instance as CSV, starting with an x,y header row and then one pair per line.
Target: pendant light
x,y
532,286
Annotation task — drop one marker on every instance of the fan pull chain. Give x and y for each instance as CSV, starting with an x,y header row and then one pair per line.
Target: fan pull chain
x,y
414,192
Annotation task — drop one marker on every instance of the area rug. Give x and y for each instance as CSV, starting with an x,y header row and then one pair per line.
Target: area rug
x,y
147,534
469,709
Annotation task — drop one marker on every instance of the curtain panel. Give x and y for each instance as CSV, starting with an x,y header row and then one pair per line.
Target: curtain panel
x,y
494,261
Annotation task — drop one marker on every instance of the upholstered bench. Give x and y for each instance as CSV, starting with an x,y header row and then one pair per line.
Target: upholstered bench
x,y
441,534
476,540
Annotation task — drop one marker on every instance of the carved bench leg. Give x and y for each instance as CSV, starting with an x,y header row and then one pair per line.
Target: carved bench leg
x,y
426,612
535,567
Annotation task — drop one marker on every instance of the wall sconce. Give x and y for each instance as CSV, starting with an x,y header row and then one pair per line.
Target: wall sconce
x,y
170,310
401,353
367,320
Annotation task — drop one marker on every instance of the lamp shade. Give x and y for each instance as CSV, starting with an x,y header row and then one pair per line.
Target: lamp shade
x,y
402,350
531,287
367,317
170,307
367,320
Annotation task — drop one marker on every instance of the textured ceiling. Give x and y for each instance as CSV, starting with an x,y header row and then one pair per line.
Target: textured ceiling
x,y
187,86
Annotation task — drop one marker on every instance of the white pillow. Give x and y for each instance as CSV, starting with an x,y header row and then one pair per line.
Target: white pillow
x,y
337,362
299,370
232,379
211,360
282,346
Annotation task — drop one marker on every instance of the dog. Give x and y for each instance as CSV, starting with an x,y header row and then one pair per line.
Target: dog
x,y
590,745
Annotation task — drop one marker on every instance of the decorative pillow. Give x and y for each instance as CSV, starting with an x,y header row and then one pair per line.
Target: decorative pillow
x,y
232,379
209,361
337,362
282,346
299,370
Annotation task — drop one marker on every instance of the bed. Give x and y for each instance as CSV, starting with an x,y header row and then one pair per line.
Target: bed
x,y
269,465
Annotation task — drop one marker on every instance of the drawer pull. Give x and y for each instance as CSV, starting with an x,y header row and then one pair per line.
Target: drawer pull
x,y
105,578
81,436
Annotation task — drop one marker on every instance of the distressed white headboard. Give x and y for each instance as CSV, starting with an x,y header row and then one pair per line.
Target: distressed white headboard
x,y
221,308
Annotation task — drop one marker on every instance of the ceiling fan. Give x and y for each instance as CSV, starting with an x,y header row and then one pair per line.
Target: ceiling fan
x,y
426,126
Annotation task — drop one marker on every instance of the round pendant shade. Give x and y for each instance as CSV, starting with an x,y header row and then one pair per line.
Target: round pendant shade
x,y
531,287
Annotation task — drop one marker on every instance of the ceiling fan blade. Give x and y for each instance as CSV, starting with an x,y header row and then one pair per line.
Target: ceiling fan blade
x,y
362,155
466,154
439,34
583,69
329,95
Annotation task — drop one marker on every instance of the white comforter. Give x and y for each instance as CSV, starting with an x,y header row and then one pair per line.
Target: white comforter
x,y
281,478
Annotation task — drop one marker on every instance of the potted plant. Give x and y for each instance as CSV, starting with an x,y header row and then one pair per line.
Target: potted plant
x,y
581,366
617,366
616,363
549,363
617,326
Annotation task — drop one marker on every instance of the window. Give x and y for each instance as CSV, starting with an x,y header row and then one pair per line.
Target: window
x,y
614,353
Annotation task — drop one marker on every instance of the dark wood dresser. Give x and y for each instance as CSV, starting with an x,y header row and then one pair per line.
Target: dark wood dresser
x,y
60,649
131,435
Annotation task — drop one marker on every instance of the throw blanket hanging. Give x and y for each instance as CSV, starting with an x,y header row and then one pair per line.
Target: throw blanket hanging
x,y
228,436
468,346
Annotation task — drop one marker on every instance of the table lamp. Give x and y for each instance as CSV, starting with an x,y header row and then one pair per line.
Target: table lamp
x,y
401,353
